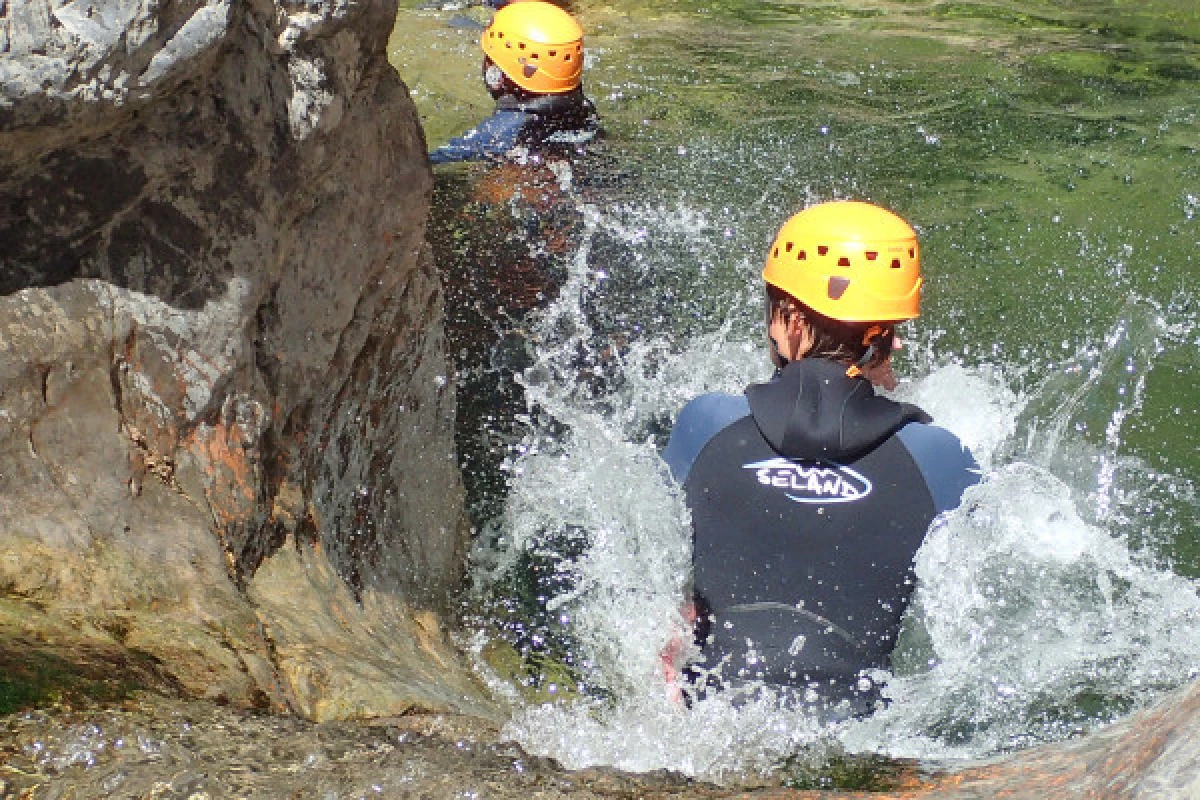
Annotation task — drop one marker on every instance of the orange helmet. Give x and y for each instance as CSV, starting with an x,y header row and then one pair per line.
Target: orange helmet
x,y
849,261
537,45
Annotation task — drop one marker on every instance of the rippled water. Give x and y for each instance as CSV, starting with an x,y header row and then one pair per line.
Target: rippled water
x,y
1048,155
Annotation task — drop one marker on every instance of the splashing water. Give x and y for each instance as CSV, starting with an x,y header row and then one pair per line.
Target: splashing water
x,y
1035,618
1037,624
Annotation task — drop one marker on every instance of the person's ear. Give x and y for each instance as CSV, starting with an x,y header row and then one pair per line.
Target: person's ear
x,y
800,335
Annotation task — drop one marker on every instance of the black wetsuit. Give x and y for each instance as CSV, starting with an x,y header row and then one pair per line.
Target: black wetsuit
x,y
542,123
809,498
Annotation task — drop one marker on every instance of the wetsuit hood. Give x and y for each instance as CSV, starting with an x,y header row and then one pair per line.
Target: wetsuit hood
x,y
811,410
546,104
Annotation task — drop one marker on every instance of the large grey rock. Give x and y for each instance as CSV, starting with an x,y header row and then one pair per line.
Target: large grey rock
x,y
225,426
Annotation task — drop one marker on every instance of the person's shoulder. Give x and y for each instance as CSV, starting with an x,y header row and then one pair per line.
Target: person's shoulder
x,y
946,464
698,422
491,138
708,414
716,404
503,120
928,436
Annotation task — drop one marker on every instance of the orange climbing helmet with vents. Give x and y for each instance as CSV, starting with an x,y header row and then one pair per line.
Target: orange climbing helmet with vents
x,y
850,261
537,45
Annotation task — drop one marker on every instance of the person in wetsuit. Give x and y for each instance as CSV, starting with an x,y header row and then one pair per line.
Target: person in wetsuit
x,y
810,493
533,68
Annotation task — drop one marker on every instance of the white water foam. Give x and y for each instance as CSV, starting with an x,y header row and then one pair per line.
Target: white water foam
x,y
1031,622
1037,626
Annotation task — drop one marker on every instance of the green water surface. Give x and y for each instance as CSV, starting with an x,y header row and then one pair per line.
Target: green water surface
x,y
1047,152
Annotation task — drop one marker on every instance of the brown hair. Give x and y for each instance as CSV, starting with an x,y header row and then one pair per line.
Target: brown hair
x,y
845,342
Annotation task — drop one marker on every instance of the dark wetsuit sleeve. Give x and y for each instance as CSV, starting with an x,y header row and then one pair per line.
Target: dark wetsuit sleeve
x,y
945,463
492,138
699,421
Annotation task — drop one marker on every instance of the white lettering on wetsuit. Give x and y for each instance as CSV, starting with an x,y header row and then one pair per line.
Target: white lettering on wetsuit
x,y
811,481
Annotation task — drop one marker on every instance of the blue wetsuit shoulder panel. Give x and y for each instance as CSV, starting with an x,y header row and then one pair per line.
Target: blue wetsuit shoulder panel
x,y
491,138
945,463
699,421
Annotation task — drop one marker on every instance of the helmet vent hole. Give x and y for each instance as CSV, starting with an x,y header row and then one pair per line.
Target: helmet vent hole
x,y
790,245
567,57
837,287
776,253
871,255
843,262
895,263
552,53
912,253
822,250
521,45
802,255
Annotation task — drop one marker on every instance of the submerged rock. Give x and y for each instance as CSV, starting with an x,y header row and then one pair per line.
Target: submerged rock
x,y
225,428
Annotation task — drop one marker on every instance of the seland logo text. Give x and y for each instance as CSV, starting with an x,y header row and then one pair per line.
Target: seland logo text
x,y
811,481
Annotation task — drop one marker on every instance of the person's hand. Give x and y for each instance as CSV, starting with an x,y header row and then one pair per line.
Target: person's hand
x,y
671,656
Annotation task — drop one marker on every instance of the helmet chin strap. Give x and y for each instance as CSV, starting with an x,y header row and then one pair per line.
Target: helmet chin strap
x,y
869,338
855,370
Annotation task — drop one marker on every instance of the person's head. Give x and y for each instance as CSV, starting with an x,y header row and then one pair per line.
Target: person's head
x,y
839,276
533,47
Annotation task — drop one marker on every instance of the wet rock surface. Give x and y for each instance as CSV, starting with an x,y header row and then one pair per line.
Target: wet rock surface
x,y
152,746
226,437
158,748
